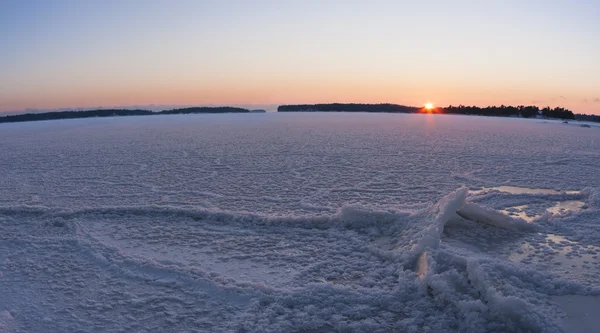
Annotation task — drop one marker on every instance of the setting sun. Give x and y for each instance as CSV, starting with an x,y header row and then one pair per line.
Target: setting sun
x,y
429,106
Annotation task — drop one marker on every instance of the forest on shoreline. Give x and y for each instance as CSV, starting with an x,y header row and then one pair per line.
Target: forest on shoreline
x,y
494,111
115,112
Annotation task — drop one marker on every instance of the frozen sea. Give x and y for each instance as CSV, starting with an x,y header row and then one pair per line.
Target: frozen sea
x,y
299,222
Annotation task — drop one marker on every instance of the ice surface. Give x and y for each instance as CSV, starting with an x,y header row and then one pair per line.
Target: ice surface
x,y
298,223
5,321
493,217
582,312
522,190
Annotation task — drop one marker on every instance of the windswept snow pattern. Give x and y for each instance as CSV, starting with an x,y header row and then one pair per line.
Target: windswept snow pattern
x,y
299,223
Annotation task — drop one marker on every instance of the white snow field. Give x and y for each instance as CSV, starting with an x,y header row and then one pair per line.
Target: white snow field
x,y
307,222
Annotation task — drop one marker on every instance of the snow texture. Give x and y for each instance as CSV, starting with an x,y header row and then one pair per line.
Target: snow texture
x,y
298,223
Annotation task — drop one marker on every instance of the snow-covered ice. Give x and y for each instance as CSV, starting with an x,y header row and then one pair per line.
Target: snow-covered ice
x,y
581,312
299,223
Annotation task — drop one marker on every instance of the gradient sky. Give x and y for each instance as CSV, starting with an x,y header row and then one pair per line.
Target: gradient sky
x,y
79,53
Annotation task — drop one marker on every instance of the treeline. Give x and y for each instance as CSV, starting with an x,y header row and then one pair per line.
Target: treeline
x,y
499,111
115,112
72,115
494,111
508,111
587,117
348,107
205,109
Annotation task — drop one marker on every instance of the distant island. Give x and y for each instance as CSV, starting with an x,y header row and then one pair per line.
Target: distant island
x,y
116,112
349,107
494,111
511,111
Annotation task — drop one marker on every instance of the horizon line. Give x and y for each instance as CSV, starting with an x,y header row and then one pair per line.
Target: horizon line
x,y
166,107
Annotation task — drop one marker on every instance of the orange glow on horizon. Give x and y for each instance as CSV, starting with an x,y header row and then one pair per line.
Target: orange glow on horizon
x,y
275,92
429,108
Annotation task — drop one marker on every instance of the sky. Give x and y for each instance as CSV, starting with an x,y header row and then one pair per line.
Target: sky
x,y
81,53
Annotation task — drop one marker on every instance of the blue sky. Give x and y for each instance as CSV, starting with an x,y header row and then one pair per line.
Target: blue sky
x,y
114,53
